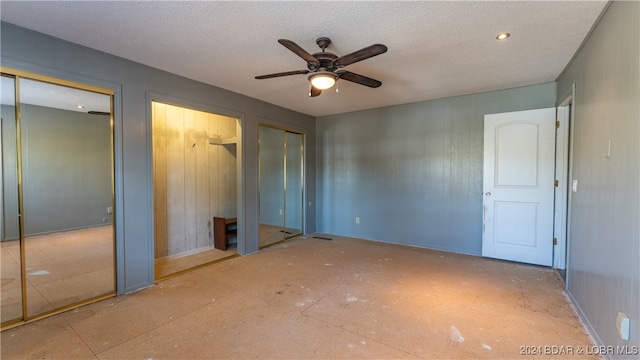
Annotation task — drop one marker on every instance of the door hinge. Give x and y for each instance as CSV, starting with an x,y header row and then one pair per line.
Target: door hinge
x,y
557,124
556,183
555,241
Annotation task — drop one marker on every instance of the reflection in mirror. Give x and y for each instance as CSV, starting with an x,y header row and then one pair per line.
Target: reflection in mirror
x,y
281,179
67,196
272,201
10,261
293,219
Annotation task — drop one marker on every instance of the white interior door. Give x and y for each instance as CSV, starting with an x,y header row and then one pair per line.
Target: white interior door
x,y
518,186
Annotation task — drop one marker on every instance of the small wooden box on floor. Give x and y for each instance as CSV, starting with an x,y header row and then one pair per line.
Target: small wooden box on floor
x,y
223,229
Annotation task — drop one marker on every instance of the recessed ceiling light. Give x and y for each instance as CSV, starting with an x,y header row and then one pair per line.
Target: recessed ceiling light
x,y
503,36
80,106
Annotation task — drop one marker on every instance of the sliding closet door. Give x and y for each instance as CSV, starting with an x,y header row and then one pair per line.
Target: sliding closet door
x,y
58,246
272,177
11,258
281,179
67,195
293,184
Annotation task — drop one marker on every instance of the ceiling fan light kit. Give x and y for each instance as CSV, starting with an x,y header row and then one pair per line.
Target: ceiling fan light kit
x,y
325,67
323,80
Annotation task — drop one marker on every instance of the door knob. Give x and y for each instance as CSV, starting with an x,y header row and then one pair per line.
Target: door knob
x,y
487,193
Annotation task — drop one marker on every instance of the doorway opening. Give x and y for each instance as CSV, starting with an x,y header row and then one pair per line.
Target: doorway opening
x,y
564,121
281,184
195,182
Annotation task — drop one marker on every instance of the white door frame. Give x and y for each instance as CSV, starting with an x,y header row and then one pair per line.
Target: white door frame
x,y
564,118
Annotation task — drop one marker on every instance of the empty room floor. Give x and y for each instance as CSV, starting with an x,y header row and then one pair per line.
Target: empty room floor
x,y
314,298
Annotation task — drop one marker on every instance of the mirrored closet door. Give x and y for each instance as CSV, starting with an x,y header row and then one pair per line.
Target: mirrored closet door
x,y
281,180
57,230
10,247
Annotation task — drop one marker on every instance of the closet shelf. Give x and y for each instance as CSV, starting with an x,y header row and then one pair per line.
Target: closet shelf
x,y
223,141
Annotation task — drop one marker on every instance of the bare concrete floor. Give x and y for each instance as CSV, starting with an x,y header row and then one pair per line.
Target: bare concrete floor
x,y
313,298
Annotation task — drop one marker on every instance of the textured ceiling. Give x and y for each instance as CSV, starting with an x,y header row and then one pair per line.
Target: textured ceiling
x,y
436,49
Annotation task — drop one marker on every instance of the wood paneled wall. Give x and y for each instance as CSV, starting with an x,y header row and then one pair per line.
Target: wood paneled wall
x,y
193,179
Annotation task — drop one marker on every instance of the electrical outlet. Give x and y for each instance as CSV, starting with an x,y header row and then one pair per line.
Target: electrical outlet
x,y
109,210
357,220
280,211
309,203
622,323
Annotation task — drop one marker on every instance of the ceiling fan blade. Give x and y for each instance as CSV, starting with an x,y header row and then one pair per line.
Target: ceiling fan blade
x,y
287,73
359,79
313,92
300,52
360,55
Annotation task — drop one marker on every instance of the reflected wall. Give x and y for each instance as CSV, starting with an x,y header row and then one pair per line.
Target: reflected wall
x,y
281,179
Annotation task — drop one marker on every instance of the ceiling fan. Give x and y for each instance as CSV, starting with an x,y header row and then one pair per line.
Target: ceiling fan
x,y
326,68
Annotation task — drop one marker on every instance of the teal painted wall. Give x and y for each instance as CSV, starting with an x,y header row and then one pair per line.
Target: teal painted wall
x,y
412,173
604,244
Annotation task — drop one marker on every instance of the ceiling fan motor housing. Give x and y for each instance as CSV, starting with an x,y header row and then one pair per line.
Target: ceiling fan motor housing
x,y
325,59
